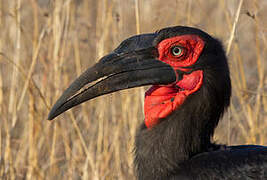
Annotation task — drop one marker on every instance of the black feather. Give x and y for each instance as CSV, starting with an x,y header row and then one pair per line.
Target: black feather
x,y
180,147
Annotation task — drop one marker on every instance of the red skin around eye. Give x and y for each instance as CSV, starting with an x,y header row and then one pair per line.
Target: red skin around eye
x,y
161,101
192,44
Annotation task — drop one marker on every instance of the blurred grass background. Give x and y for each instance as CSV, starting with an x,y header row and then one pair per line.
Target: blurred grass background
x,y
45,44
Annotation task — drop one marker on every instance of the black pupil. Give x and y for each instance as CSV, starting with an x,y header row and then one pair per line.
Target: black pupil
x,y
176,51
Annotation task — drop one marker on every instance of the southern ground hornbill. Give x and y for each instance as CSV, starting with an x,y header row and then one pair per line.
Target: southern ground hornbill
x,y
191,89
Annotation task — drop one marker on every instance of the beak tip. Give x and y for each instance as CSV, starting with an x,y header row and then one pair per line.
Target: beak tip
x,y
50,117
52,114
56,110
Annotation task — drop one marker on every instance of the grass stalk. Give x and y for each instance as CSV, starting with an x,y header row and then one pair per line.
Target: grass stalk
x,y
45,44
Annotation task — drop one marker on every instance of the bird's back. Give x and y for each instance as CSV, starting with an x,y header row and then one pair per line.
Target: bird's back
x,y
234,163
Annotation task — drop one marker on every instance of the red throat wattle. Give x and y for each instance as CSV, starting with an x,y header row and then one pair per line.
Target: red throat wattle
x,y
161,101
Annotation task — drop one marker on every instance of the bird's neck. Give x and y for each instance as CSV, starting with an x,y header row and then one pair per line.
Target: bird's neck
x,y
160,150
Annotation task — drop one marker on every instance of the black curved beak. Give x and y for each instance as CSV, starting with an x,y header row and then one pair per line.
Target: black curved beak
x,y
134,63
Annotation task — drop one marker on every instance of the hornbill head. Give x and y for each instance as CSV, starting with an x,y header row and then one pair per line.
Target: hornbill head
x,y
178,61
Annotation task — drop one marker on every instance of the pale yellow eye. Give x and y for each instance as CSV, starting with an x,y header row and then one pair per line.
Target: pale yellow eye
x,y
177,51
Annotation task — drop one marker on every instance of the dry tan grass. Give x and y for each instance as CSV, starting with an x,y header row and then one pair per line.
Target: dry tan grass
x,y
45,44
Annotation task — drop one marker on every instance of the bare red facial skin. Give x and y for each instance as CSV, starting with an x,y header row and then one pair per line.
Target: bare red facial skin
x,y
161,101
